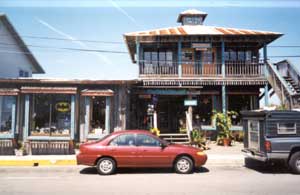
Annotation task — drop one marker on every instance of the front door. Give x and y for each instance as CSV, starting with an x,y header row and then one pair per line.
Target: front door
x,y
150,152
188,61
208,58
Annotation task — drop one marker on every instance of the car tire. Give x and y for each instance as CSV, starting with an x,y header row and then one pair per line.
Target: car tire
x,y
294,163
106,166
184,165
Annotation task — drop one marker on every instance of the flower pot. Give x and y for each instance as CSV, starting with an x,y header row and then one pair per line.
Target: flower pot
x,y
226,142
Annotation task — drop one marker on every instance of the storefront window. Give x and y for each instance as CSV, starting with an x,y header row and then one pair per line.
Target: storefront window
x,y
7,104
50,115
97,115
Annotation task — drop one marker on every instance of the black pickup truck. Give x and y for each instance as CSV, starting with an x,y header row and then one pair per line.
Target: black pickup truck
x,y
272,136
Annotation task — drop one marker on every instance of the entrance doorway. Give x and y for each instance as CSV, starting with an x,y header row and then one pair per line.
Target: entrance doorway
x,y
170,113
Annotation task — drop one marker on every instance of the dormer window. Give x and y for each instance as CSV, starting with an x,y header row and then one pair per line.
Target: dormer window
x,y
191,17
191,20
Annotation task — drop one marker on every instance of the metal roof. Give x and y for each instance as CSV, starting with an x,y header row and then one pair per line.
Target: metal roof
x,y
199,30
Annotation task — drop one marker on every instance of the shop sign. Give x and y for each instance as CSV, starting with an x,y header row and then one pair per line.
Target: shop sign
x,y
201,46
63,106
190,102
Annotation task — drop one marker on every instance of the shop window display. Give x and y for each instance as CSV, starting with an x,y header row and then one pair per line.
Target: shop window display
x,y
97,113
6,113
50,115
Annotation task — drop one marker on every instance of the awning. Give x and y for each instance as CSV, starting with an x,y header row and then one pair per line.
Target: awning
x,y
97,92
9,91
49,90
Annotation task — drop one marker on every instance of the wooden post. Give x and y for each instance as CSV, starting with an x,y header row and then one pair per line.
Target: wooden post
x,y
107,115
224,99
179,58
86,117
266,89
154,119
26,117
223,58
73,111
137,51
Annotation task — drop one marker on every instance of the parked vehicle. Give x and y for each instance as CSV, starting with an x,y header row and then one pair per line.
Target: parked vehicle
x,y
273,135
138,148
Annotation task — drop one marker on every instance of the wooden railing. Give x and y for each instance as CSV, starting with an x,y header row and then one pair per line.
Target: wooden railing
x,y
244,68
191,69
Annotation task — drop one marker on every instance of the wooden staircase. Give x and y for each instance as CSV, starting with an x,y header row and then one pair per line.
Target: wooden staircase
x,y
285,81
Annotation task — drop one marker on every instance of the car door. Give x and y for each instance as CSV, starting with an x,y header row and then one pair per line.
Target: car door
x,y
123,149
150,152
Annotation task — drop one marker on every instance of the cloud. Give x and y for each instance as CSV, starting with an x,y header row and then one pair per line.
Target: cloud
x,y
102,57
114,4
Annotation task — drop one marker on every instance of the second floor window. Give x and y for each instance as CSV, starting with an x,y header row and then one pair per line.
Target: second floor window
x,y
160,58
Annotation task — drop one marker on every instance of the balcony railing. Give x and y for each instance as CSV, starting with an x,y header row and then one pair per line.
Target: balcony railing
x,y
192,69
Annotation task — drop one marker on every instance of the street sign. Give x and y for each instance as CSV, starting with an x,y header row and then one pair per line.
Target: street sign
x,y
190,102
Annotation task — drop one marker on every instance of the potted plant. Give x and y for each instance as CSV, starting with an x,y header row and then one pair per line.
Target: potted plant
x,y
197,139
224,123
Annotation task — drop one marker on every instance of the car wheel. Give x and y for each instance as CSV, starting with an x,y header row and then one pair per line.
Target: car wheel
x,y
294,163
184,165
106,166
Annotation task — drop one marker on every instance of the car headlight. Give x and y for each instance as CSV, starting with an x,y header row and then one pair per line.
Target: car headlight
x,y
200,153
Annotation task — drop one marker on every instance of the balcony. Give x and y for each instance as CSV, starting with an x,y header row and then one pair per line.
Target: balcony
x,y
196,70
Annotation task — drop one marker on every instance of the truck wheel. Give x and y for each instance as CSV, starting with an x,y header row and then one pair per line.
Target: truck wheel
x,y
294,163
184,165
106,166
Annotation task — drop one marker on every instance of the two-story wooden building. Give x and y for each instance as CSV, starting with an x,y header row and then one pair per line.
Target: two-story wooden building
x,y
206,67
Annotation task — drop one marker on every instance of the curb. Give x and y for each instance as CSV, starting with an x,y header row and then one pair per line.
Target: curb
x,y
52,162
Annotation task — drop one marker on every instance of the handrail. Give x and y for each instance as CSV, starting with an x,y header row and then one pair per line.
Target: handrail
x,y
282,81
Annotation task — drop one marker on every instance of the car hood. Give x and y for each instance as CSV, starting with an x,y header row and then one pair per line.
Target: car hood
x,y
180,146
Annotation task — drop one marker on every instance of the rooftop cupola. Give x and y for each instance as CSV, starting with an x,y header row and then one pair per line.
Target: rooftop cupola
x,y
191,17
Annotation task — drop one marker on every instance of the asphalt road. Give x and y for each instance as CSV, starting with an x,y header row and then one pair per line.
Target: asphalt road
x,y
209,180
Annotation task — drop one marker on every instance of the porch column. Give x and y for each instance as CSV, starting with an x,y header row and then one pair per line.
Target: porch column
x,y
86,117
107,115
73,111
137,51
26,117
224,99
266,89
223,57
179,58
13,117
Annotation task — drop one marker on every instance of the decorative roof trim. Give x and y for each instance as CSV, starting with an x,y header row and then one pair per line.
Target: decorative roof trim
x,y
49,90
97,92
9,91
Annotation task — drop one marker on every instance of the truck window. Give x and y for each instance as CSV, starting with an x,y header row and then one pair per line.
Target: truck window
x,y
288,128
253,130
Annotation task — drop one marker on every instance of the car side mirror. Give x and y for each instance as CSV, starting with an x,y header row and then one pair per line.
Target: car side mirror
x,y
163,145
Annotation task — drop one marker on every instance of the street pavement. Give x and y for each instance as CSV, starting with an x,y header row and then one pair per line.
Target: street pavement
x,y
72,180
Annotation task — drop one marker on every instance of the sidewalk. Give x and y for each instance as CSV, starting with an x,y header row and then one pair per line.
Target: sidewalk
x,y
229,156
217,156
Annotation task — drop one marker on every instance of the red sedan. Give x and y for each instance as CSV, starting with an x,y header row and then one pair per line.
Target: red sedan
x,y
138,148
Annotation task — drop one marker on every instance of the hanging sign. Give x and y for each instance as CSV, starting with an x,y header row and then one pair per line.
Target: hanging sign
x,y
62,106
190,102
